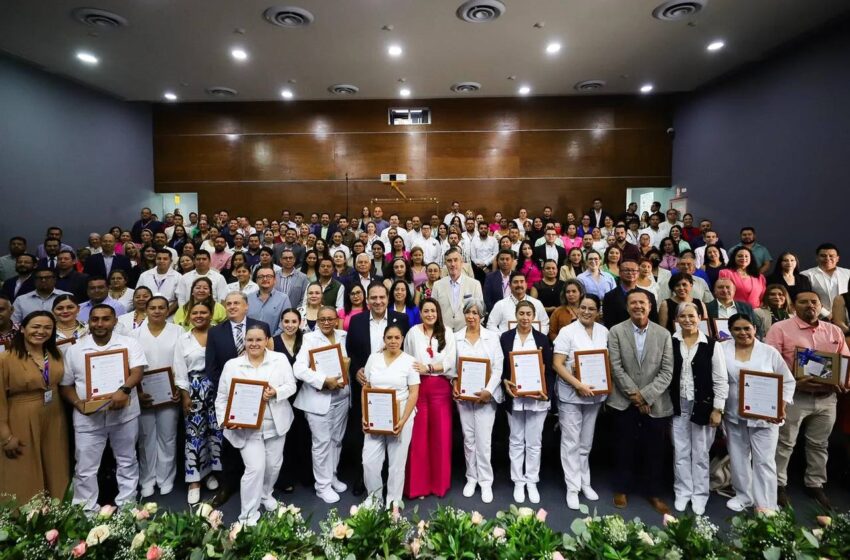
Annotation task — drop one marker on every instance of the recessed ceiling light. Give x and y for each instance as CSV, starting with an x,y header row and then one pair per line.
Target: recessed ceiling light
x,y
286,94
88,58
646,88
553,48
715,46
404,92
169,96
524,90
239,54
394,50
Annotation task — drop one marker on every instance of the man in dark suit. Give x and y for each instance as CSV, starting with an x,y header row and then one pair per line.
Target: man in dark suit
x,y
24,282
549,250
147,221
614,303
497,284
225,342
67,277
51,250
362,273
324,229
597,214
365,337
105,262
724,293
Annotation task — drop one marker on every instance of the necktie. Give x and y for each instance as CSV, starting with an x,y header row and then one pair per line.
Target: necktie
x,y
240,340
52,263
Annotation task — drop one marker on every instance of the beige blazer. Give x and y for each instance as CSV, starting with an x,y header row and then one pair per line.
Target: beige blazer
x,y
453,314
651,376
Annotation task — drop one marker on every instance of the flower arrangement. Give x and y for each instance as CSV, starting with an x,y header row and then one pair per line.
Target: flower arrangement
x,y
370,531
454,533
526,534
772,535
610,537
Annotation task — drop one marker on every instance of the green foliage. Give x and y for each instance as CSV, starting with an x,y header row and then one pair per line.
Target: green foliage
x,y
453,534
772,536
371,531
526,534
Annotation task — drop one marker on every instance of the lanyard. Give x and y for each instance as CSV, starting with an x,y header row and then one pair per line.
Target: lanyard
x,y
45,372
159,283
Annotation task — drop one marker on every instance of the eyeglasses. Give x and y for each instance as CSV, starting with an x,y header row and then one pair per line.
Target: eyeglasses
x,y
265,277
327,319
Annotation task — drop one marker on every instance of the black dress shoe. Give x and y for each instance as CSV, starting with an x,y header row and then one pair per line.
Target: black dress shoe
x,y
782,497
221,497
359,488
817,494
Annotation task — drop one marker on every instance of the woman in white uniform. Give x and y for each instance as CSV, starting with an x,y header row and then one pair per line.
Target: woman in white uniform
x,y
752,443
578,407
68,327
261,448
132,320
390,369
157,426
477,417
325,402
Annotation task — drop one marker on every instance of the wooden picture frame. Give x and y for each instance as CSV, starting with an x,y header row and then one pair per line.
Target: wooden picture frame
x,y
577,368
90,396
365,401
342,361
845,370
460,362
743,411
831,362
519,392
225,423
170,381
64,341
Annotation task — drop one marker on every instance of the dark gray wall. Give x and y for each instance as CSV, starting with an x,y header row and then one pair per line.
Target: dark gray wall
x,y
770,147
69,156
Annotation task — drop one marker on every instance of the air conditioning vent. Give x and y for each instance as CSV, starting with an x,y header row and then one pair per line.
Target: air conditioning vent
x,y
590,85
220,91
343,89
288,16
98,18
480,11
677,10
466,87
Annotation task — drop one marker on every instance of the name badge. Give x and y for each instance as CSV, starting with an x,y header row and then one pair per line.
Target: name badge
x,y
48,396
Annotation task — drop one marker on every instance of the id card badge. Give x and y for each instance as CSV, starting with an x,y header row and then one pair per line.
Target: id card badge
x,y
48,396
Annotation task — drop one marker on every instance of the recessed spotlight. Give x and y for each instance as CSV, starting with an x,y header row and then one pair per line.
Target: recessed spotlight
x,y
524,90
287,94
169,96
88,58
715,46
404,92
553,48
239,54
646,88
395,50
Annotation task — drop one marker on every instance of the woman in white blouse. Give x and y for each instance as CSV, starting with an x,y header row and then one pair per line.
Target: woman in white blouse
x,y
698,390
157,425
477,416
578,407
751,442
203,435
390,369
243,282
132,320
261,448
325,402
429,468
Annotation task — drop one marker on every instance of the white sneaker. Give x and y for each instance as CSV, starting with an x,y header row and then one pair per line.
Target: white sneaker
x,y
681,504
533,494
212,483
147,491
735,504
486,494
519,492
270,504
328,496
698,508
194,496
469,488
589,493
338,485
572,500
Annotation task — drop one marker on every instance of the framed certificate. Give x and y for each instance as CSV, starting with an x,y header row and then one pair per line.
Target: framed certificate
x,y
106,372
760,395
537,325
64,341
328,361
593,368
158,384
721,329
380,410
845,370
823,367
473,374
527,372
245,404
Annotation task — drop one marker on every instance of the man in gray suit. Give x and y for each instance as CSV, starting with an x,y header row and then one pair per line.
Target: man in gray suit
x,y
641,355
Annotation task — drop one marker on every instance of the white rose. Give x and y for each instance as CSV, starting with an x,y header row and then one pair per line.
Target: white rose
x,y
97,535
137,541
525,512
342,531
204,509
151,507
646,537
476,518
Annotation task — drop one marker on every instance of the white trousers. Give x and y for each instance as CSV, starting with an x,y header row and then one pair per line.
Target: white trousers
x,y
157,447
375,447
691,444
578,422
525,444
476,424
752,453
327,431
263,459
89,451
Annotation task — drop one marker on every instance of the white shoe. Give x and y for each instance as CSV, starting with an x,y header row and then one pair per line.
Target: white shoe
x,y
589,493
328,496
519,492
194,496
147,491
735,504
486,494
698,508
572,500
681,504
165,490
270,504
533,494
212,483
338,485
469,488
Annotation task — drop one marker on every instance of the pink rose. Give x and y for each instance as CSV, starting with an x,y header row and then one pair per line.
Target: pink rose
x,y
79,550
154,553
541,515
498,532
396,514
52,537
824,520
557,556
107,511
215,519
415,545
668,519
141,514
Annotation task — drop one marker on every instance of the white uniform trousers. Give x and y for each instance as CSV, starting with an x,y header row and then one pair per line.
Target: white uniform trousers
x,y
578,423
525,444
752,453
89,451
691,444
476,423
157,447
263,459
395,448
327,431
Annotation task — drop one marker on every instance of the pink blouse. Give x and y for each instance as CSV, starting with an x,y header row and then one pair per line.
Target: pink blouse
x,y
749,289
571,243
346,319
532,273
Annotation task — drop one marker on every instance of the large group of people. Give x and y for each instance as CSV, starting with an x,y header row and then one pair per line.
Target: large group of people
x,y
216,298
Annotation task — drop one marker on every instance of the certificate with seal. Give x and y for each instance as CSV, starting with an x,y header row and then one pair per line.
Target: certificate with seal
x,y
328,362
823,367
760,395
245,404
380,410
527,372
158,384
593,369
106,372
473,374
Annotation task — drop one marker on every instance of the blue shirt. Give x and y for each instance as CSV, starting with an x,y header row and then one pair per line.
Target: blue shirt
x,y
270,310
85,308
599,287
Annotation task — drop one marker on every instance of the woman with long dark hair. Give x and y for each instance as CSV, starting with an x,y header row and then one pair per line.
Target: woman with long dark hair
x,y
743,272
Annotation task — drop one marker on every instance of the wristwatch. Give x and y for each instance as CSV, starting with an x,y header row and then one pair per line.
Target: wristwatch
x,y
126,390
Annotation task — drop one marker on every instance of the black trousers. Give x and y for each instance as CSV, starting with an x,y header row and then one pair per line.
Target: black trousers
x,y
232,466
640,452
